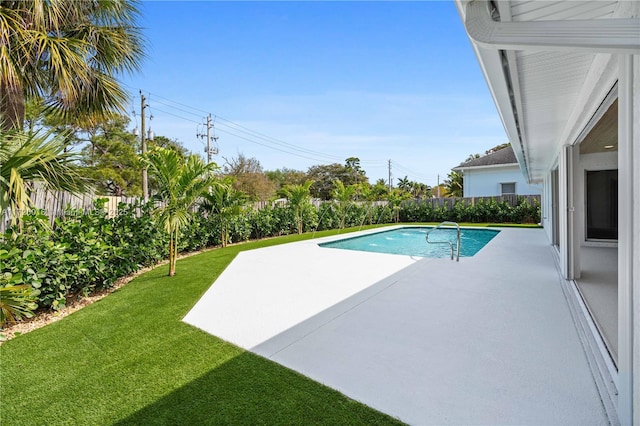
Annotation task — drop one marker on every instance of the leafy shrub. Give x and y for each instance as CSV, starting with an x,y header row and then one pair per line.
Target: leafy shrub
x,y
262,222
310,218
328,217
81,253
86,237
32,258
197,235
284,221
489,211
239,229
142,242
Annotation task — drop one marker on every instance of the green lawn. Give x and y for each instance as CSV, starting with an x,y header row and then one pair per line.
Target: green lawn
x,y
128,359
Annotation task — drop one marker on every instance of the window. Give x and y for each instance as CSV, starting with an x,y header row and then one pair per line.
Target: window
x,y
507,188
602,204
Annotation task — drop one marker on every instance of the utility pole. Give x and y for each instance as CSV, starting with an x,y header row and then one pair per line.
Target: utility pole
x,y
209,149
143,148
208,138
389,175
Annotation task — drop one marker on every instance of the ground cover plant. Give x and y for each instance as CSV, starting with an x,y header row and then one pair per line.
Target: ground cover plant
x,y
129,359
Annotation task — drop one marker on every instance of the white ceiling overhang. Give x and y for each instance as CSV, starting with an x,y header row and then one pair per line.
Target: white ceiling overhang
x,y
549,65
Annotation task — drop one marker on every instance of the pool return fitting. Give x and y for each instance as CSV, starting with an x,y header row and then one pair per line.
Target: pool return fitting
x,y
447,242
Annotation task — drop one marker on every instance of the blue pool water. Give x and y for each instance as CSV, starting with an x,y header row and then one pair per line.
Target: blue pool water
x,y
411,242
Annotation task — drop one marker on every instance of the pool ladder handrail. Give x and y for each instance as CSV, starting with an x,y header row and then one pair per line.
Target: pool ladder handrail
x,y
447,242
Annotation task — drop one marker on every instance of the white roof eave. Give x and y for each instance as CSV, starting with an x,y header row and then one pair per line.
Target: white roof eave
x,y
490,62
486,166
491,39
616,35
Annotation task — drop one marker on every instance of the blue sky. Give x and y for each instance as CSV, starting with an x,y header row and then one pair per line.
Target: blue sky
x,y
295,84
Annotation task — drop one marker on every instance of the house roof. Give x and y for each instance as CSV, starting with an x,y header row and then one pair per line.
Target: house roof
x,y
549,65
499,158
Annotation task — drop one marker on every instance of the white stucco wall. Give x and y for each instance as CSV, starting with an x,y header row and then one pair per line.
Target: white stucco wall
x,y
485,181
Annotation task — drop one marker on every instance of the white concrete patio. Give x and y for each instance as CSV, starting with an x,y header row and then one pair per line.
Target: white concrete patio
x,y
488,340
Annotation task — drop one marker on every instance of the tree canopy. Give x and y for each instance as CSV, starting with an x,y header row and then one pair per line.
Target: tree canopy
x,y
285,176
249,178
324,177
69,53
111,159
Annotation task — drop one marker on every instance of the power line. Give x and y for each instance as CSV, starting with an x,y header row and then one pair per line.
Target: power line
x,y
412,173
272,147
179,109
175,115
155,95
243,129
247,134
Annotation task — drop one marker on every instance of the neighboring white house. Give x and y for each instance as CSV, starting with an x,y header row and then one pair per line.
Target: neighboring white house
x,y
565,76
494,174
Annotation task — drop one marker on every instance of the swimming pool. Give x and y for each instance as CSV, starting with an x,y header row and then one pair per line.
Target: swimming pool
x,y
411,241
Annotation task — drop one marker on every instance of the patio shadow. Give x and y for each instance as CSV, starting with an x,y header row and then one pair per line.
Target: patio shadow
x,y
245,390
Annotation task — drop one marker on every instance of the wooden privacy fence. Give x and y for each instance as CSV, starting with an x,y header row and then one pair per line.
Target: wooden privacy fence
x,y
56,204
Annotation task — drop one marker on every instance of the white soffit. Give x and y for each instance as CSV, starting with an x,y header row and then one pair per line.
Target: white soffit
x,y
559,10
550,84
552,89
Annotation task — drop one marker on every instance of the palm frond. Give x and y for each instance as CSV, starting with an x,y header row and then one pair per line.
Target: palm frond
x,y
69,52
36,157
16,302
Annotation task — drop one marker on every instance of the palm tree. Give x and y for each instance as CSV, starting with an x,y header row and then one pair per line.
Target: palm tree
x,y
181,182
299,198
67,52
224,202
366,195
454,184
419,190
344,196
32,158
404,183
395,199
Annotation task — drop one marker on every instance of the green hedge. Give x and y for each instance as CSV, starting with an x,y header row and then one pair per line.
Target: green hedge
x,y
80,253
491,211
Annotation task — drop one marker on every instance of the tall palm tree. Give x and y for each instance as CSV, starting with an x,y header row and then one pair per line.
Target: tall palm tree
x,y
27,159
67,52
224,202
181,182
299,197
